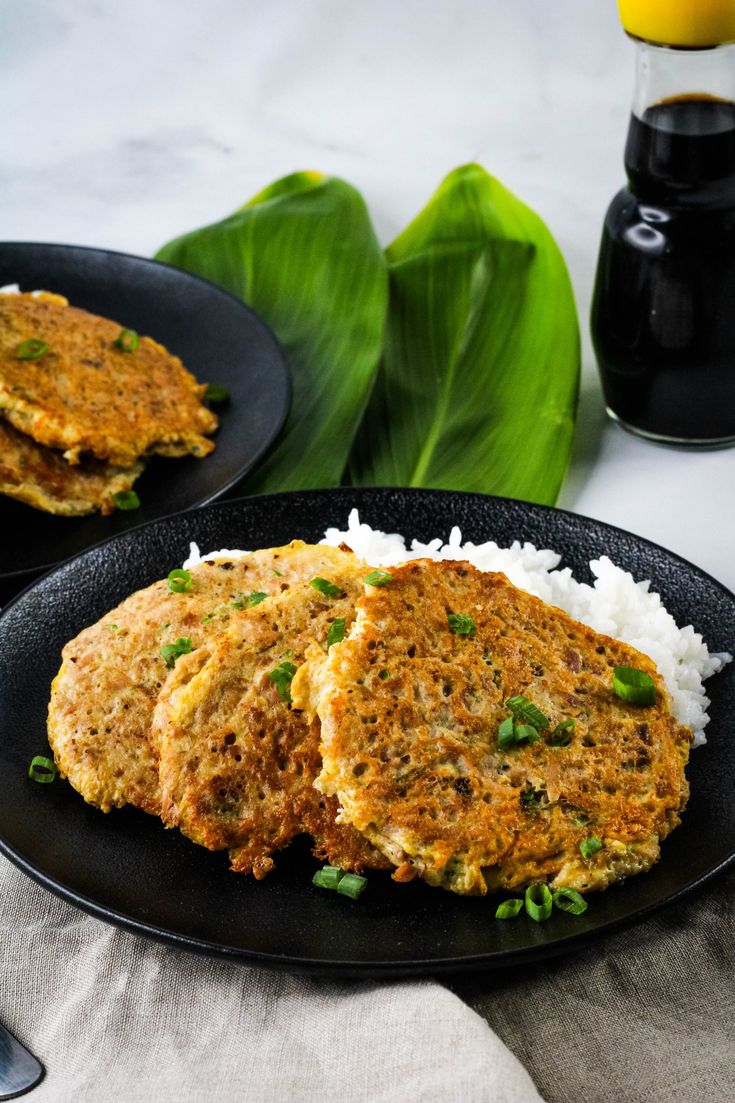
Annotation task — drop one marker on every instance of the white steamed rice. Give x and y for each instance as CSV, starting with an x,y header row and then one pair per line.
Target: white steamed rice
x,y
615,604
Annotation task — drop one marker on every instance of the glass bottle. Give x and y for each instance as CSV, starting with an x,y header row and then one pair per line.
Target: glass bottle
x,y
663,313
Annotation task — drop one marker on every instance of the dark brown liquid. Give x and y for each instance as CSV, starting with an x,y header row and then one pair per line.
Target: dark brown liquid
x,y
663,315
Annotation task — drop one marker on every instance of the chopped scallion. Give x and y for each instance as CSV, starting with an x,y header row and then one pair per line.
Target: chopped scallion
x,y
509,909
336,632
523,709
461,624
32,349
506,734
324,586
282,677
215,392
256,597
170,652
328,877
562,734
570,901
127,340
634,686
378,578
352,885
538,902
179,581
384,674
42,769
526,733
126,500
590,846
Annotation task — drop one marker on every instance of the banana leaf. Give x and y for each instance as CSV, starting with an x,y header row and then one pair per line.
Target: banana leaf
x,y
478,384
304,255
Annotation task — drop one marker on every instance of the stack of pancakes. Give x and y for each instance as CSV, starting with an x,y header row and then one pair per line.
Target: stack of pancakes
x,y
80,409
293,691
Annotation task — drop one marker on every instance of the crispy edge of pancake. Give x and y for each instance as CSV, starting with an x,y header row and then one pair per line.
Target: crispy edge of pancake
x,y
237,764
324,686
34,474
148,391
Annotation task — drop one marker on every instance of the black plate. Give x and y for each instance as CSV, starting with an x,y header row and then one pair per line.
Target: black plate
x,y
219,339
125,868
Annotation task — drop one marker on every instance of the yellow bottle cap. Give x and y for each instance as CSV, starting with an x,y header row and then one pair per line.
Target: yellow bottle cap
x,y
689,23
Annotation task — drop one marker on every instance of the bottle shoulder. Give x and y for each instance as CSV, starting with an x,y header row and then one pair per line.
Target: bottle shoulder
x,y
626,210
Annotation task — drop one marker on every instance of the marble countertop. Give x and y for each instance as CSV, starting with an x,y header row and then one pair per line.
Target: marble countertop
x,y
128,122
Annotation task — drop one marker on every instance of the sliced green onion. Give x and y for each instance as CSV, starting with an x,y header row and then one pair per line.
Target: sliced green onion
x,y
523,709
324,586
170,652
126,499
256,597
32,349
127,340
461,624
384,674
43,770
179,581
562,733
216,393
208,617
590,846
570,901
538,902
282,677
506,734
336,632
634,686
509,909
378,578
526,733
328,877
350,884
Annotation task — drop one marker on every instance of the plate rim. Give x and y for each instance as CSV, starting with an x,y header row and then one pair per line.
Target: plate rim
x,y
383,969
36,573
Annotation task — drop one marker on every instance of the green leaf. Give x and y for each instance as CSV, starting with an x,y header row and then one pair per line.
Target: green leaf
x,y
478,384
304,255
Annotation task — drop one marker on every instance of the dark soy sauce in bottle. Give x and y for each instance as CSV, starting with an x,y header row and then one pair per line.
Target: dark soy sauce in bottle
x,y
663,313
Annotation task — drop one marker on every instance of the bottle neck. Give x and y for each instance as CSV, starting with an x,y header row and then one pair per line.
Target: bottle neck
x,y
681,141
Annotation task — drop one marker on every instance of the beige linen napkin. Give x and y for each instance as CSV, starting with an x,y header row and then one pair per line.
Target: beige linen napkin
x,y
116,1017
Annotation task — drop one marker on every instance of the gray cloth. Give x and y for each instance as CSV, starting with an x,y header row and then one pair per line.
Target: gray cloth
x,y
645,1016
115,1017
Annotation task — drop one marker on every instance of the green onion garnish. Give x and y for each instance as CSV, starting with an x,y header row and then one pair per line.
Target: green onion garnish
x,y
126,499
570,901
538,902
506,734
170,652
378,578
634,686
256,597
461,624
32,349
282,677
336,632
42,770
328,877
179,581
590,846
526,733
384,674
523,709
350,884
127,340
216,393
324,586
562,733
509,909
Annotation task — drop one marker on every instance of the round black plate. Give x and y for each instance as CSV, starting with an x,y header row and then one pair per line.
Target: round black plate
x,y
124,867
219,339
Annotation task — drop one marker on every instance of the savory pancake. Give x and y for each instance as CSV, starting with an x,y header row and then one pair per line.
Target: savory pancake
x,y
43,479
237,764
412,704
66,382
103,697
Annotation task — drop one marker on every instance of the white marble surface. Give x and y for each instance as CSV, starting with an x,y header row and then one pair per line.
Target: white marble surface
x,y
129,121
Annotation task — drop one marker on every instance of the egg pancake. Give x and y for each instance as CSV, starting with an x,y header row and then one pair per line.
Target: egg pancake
x,y
103,697
237,764
79,392
411,704
43,479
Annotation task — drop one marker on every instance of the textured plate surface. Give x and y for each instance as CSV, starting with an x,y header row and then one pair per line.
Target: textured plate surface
x,y
125,868
218,338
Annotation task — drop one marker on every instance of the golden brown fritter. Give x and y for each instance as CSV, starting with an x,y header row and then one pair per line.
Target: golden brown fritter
x,y
237,764
410,713
103,697
86,395
43,479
